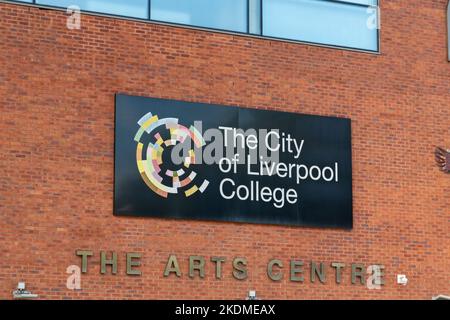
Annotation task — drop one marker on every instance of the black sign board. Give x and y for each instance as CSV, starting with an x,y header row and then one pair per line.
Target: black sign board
x,y
176,159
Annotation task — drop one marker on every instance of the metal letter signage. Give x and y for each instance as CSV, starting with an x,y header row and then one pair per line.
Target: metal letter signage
x,y
187,160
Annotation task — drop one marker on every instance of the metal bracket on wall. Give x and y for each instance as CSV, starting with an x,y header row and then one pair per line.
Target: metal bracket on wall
x,y
442,157
21,293
441,297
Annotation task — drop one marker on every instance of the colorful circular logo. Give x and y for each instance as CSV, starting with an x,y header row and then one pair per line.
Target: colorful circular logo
x,y
149,156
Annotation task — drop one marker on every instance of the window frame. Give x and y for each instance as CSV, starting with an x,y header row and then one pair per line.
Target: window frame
x,y
200,27
331,45
223,31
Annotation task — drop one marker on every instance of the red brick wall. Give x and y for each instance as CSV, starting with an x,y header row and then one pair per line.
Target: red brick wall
x,y
56,162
